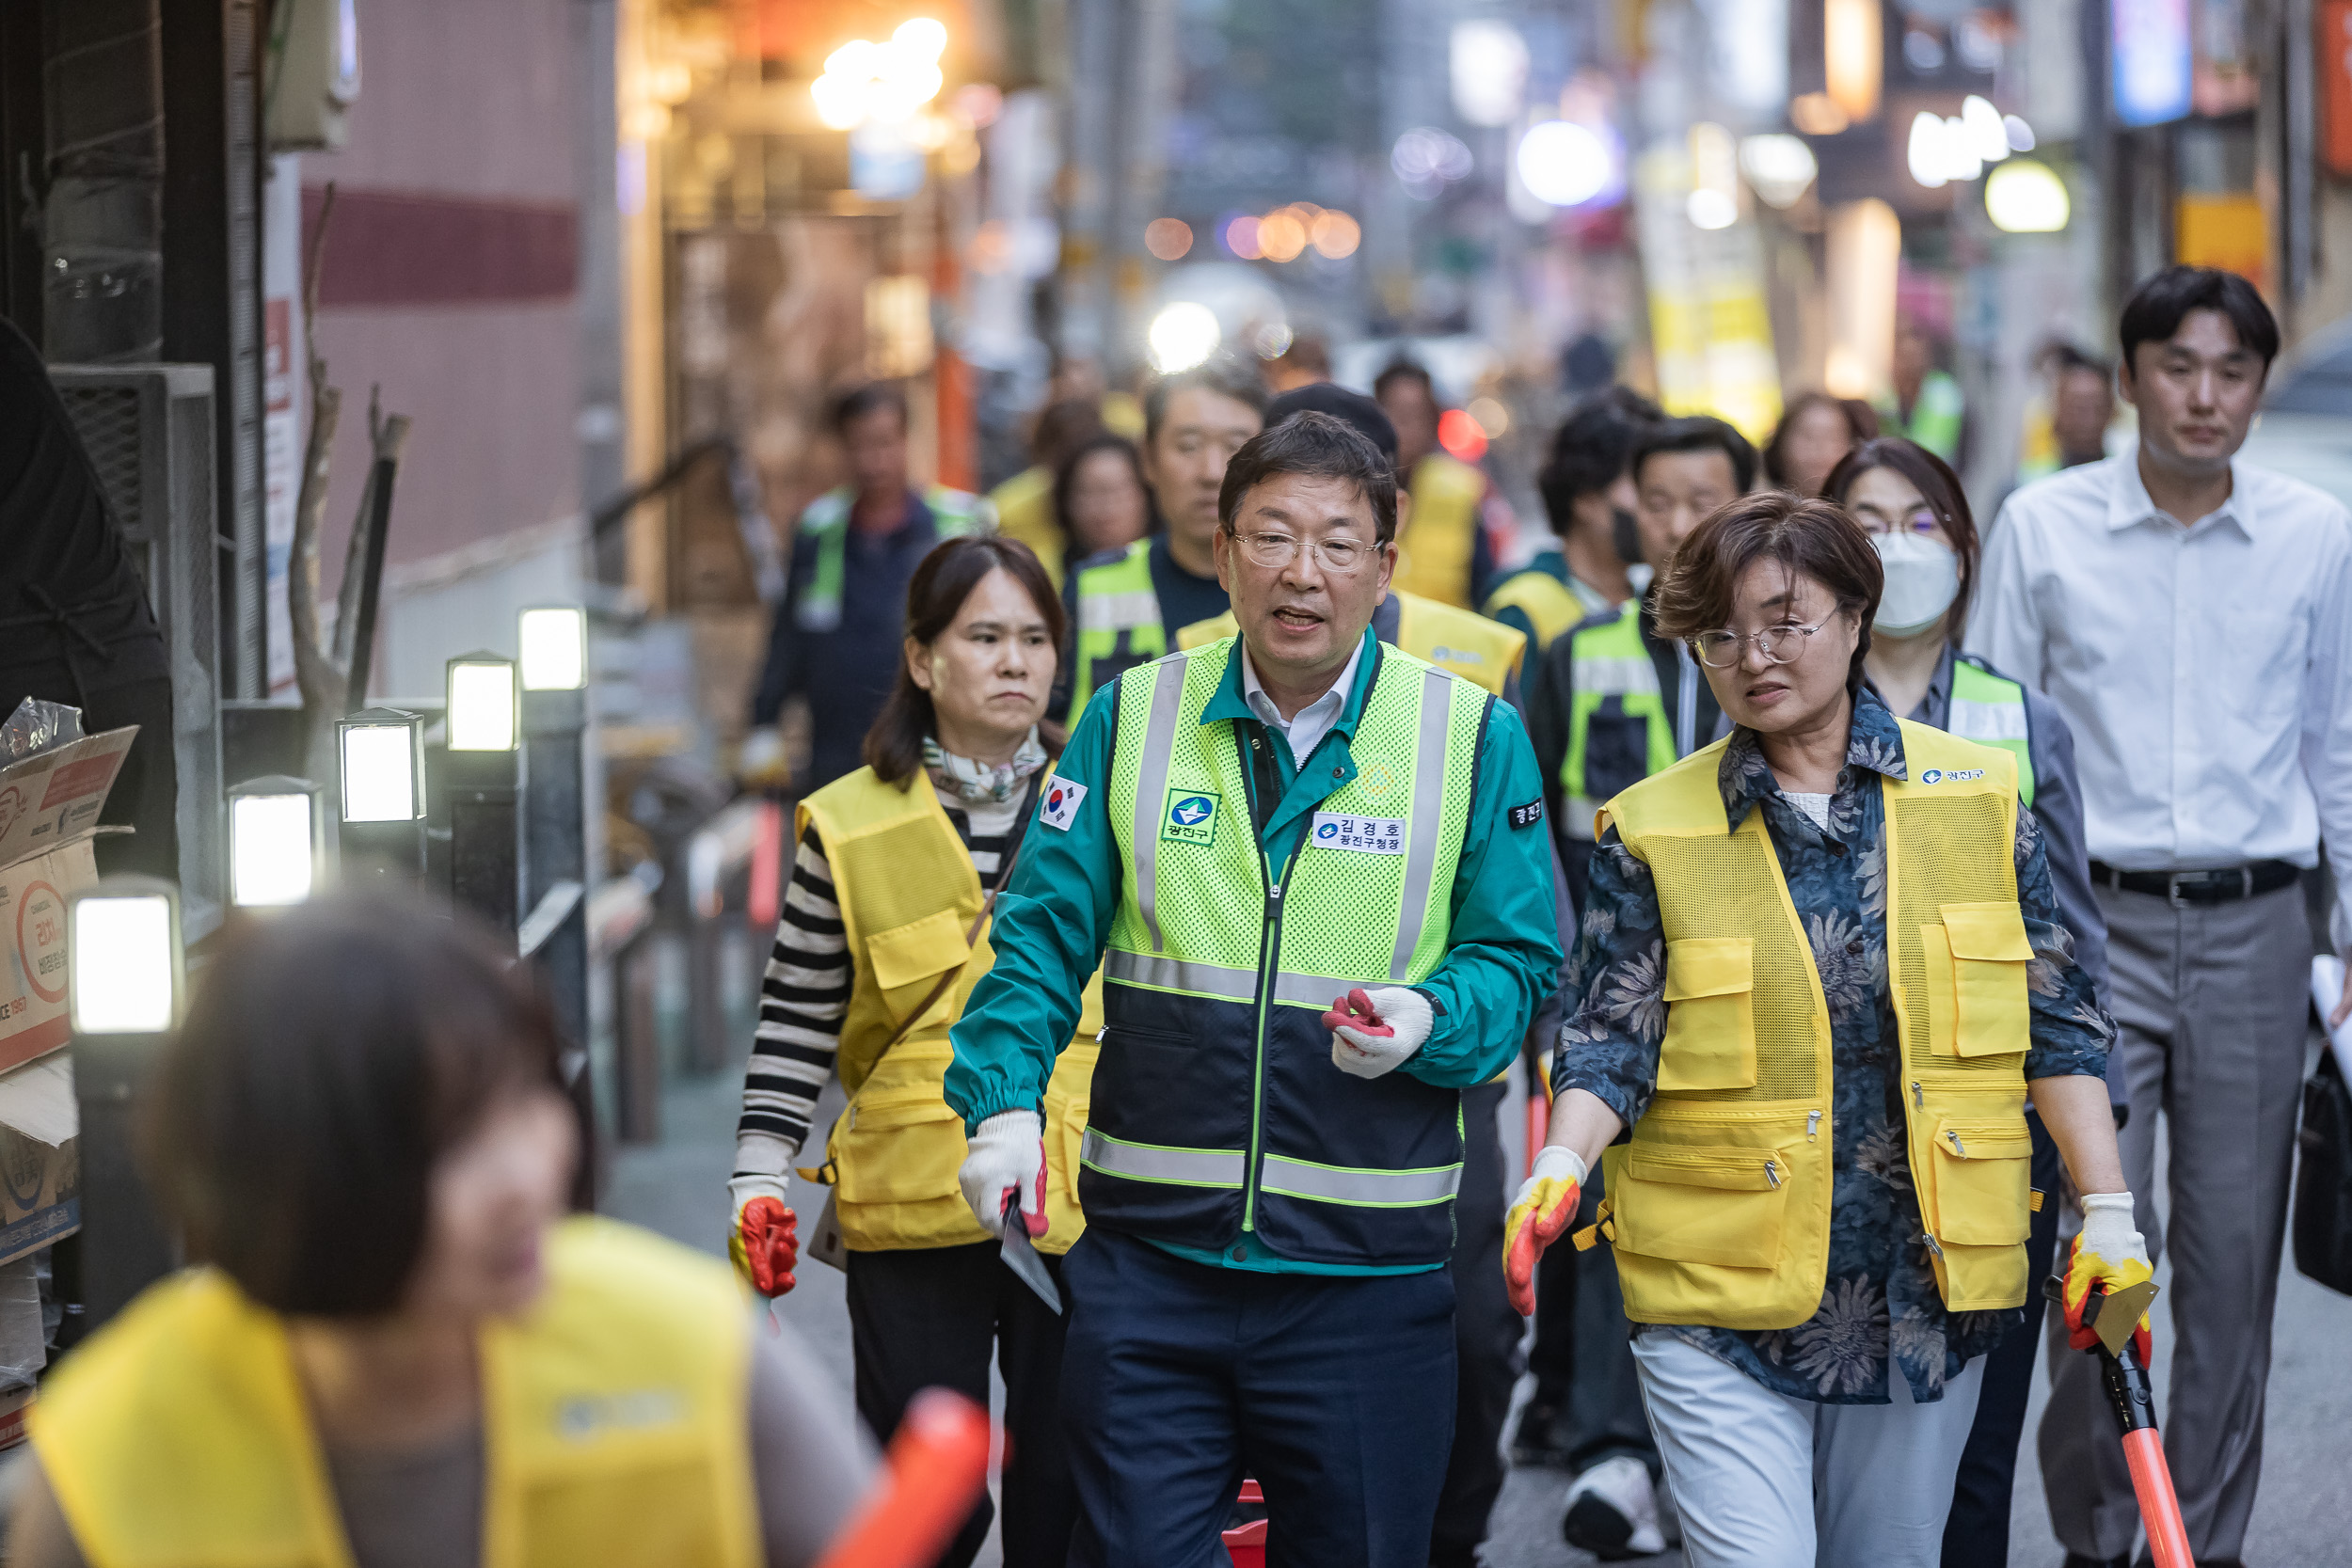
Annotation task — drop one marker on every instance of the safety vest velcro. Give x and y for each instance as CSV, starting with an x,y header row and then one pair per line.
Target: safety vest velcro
x,y
954,514
908,893
1990,709
1720,1204
1119,624
1439,543
1485,652
1216,1108
1618,734
615,1419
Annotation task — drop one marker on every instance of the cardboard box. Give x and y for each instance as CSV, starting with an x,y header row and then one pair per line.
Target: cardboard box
x,y
14,1406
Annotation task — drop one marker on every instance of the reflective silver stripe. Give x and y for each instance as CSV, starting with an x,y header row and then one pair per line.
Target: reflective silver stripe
x,y
1364,1189
1313,991
1117,612
1987,721
1617,677
1420,847
1159,746
1182,1167
1165,974
1582,809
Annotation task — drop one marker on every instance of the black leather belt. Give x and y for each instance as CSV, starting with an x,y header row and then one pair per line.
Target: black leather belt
x,y
2219,886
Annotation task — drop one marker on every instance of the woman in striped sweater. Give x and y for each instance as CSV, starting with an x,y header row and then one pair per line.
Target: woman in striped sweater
x,y
883,934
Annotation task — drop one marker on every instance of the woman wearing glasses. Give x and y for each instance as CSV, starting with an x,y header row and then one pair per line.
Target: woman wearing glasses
x,y
1910,503
1820,972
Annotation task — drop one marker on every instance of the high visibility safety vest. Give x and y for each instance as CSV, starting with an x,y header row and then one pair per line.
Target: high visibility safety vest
x,y
1119,624
908,893
1618,732
1990,709
1216,1109
1434,556
1025,510
1720,1204
1936,415
954,512
1485,652
615,1423
1550,605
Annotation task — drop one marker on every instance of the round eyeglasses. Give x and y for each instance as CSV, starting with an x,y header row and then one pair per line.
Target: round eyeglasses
x,y
1339,557
1780,644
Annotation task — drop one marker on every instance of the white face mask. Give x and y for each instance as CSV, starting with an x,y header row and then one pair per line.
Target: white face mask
x,y
1922,579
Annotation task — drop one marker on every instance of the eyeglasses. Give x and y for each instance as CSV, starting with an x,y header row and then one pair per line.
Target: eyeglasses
x,y
1339,557
1780,644
1919,519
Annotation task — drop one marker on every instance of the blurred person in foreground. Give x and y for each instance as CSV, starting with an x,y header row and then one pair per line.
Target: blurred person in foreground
x,y
1815,429
1819,1217
1026,508
1101,499
1913,507
2188,615
835,639
1309,866
884,932
1479,650
1125,606
1448,550
391,1346
1587,486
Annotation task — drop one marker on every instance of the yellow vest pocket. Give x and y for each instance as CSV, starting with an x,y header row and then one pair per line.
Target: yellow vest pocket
x,y
1989,955
1982,1178
1710,1015
898,1148
1702,1204
907,960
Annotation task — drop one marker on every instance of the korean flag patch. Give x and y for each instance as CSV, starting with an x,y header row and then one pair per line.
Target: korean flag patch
x,y
1060,806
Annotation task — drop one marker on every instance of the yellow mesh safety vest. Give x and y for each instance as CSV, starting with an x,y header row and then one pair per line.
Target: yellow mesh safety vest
x,y
615,1423
1485,652
1719,1205
1434,556
1550,605
908,893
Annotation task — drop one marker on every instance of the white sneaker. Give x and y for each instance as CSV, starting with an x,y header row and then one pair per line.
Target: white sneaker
x,y
1613,1512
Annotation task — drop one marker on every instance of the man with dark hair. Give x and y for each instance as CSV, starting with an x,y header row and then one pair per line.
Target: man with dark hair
x,y
1609,703
1126,604
2190,614
1587,486
1448,554
1925,404
836,635
1025,502
1242,836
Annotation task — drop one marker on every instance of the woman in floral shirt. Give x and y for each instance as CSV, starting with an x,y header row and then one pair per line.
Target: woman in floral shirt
x,y
1838,1435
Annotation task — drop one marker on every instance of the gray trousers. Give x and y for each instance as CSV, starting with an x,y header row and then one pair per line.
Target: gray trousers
x,y
2211,1000
1764,1481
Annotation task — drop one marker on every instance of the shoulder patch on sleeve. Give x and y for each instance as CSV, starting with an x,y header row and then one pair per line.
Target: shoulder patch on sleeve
x,y
1528,814
1060,806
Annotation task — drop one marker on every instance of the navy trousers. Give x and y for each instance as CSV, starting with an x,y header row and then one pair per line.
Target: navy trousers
x,y
1335,1392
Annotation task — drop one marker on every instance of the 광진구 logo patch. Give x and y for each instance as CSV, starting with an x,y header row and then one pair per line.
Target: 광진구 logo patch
x,y
1191,817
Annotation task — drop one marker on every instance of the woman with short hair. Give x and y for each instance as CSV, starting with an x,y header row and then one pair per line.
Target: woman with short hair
x,y
1821,970
1101,501
392,1348
1814,432
884,932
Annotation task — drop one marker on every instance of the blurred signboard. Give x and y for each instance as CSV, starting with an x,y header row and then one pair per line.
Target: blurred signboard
x,y
2227,230
1711,331
2153,63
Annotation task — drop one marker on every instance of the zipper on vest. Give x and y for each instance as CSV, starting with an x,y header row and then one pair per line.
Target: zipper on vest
x,y
1958,1147
1771,1171
1813,1127
1918,1095
1269,944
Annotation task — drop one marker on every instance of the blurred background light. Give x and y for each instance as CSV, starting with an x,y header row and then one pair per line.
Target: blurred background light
x,y
864,81
1241,237
1566,163
1168,239
1853,52
1458,433
1714,202
123,963
1335,235
1987,136
2020,134
1183,335
1487,66
1779,167
1493,419
1281,236
2025,195
1427,160
1816,113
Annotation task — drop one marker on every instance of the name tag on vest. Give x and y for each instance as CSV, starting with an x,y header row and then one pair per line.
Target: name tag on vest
x,y
1366,835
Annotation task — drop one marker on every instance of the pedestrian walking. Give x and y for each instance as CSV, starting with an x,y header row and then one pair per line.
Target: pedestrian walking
x,y
1310,869
2188,613
835,639
1026,506
1911,504
884,932
1124,608
1821,970
1587,486
390,1345
1815,433
1445,545
1101,500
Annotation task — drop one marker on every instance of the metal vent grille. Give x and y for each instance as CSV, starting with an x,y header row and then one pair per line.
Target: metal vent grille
x,y
108,419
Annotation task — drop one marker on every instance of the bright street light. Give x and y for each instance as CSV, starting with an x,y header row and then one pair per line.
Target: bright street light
x,y
554,644
383,766
2026,196
1564,163
1183,335
275,837
122,939
887,82
481,704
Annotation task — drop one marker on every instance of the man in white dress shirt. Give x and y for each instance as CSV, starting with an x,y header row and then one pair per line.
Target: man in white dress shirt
x,y
2189,616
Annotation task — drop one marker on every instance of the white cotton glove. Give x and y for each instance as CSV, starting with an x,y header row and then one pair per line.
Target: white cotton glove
x,y
1007,1162
1374,1031
2111,1254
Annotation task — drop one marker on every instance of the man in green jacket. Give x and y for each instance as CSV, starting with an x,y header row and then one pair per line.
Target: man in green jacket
x,y
1313,869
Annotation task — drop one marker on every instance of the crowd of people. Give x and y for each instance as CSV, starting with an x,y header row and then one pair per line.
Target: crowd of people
x,y
1192,839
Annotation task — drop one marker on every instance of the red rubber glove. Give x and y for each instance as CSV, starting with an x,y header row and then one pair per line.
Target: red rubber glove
x,y
1544,1208
766,1245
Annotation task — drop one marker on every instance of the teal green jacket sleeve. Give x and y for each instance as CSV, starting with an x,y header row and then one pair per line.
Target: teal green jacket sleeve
x,y
1051,923
1505,951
